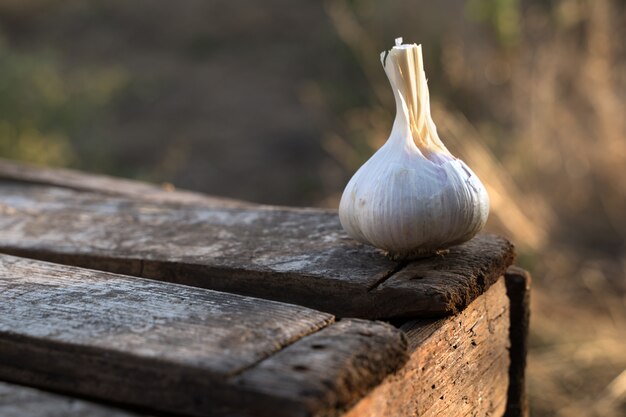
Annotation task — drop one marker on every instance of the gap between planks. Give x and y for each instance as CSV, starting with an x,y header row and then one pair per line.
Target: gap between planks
x,y
401,265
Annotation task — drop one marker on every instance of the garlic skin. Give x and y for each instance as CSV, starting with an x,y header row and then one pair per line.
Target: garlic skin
x,y
412,198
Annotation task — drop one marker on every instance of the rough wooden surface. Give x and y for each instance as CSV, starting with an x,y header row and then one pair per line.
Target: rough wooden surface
x,y
220,332
458,366
199,352
182,349
300,256
518,284
333,368
20,401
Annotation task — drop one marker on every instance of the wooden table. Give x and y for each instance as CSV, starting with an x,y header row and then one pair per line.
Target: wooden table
x,y
121,298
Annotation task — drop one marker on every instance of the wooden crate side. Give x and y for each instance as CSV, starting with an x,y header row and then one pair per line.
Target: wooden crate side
x,y
518,283
458,366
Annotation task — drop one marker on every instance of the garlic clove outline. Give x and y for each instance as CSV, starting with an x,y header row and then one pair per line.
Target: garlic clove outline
x,y
412,198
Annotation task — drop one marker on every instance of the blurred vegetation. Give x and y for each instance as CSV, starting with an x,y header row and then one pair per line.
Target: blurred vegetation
x,y
502,16
228,98
44,108
31,105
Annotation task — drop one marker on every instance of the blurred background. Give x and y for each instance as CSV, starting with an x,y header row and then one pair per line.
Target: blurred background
x,y
280,101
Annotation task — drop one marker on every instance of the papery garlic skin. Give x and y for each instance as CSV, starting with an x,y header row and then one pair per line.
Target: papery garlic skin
x,y
412,197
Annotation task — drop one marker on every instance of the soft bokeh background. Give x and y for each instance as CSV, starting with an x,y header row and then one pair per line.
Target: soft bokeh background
x,y
280,102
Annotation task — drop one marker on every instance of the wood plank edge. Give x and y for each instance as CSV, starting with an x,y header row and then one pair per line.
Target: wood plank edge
x,y
291,289
359,355
60,367
329,371
406,297
485,278
176,388
402,300
518,284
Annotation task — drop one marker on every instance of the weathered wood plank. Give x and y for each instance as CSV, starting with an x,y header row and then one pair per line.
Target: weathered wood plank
x,y
221,332
448,283
457,366
108,185
300,256
334,367
177,348
20,401
518,284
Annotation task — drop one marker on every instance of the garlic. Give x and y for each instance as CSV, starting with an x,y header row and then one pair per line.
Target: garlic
x,y
412,198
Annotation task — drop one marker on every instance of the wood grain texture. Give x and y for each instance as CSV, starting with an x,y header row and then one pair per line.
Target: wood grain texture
x,y
222,333
334,367
20,401
301,256
518,283
177,348
458,366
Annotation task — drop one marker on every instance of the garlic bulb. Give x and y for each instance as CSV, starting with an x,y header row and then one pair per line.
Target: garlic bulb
x,y
412,198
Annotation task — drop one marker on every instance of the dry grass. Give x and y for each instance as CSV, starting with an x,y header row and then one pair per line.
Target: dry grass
x,y
547,136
